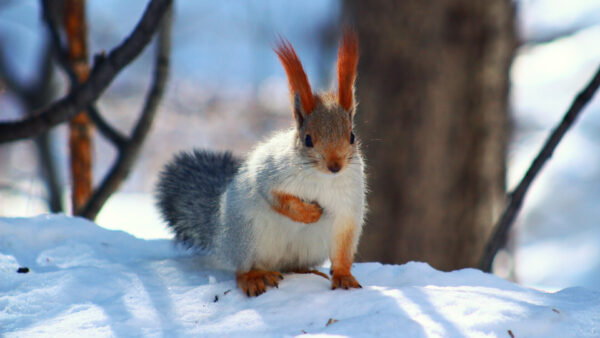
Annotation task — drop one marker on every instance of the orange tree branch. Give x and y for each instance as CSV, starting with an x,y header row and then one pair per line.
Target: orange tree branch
x,y
80,126
500,234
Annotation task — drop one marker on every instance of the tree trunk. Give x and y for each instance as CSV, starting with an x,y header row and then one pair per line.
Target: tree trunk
x,y
432,90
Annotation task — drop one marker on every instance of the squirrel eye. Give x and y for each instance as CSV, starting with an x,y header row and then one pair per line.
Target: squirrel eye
x,y
351,138
308,141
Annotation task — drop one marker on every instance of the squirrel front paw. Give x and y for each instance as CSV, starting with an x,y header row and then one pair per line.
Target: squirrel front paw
x,y
308,212
344,282
296,209
254,282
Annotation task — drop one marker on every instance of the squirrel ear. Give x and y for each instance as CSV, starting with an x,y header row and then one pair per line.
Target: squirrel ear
x,y
347,62
298,111
297,80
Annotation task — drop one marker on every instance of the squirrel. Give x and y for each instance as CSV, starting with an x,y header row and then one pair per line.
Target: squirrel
x,y
297,199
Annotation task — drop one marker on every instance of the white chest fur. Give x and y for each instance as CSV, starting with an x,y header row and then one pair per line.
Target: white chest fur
x,y
282,244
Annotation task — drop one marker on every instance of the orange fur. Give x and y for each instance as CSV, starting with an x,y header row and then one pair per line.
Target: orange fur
x,y
316,272
255,282
344,282
333,158
296,209
341,263
297,79
347,62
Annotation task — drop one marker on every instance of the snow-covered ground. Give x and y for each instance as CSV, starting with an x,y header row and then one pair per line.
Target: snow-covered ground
x,y
87,281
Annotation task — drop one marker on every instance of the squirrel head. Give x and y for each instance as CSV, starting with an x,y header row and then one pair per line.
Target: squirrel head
x,y
324,121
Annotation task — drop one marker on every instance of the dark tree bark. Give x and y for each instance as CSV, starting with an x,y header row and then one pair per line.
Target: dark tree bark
x,y
432,91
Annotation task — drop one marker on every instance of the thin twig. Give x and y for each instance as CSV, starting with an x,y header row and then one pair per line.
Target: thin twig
x,y
42,93
129,152
50,12
112,134
498,239
104,71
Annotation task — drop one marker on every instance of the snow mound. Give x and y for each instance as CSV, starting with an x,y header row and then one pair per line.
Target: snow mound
x,y
88,281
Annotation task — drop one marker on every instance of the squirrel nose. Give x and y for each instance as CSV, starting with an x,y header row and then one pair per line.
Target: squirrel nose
x,y
334,168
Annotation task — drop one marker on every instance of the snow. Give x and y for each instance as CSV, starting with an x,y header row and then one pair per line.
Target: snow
x,y
140,219
540,20
89,281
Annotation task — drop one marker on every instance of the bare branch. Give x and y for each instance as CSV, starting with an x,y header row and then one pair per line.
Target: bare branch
x,y
128,148
498,239
50,12
40,95
35,96
112,134
129,152
104,71
50,172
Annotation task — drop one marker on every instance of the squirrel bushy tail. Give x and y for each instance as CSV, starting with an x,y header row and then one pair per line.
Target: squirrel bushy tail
x,y
188,194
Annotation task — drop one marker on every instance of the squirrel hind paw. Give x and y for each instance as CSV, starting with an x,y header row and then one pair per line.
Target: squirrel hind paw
x,y
344,282
254,282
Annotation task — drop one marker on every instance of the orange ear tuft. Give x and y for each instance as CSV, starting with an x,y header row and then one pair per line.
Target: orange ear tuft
x,y
297,79
347,62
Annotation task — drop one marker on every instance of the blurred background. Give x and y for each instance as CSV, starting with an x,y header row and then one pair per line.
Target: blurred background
x,y
455,101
